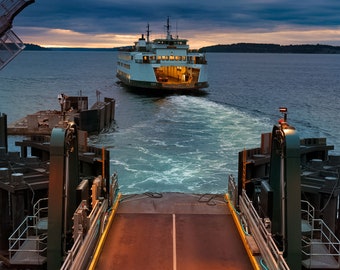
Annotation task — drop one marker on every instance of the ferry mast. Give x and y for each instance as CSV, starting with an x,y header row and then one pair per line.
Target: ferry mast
x,y
168,33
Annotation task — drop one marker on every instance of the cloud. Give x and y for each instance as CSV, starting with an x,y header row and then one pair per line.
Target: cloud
x,y
67,38
92,22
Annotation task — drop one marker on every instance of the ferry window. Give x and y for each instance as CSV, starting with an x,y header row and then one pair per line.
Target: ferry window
x,y
176,57
163,57
172,58
159,57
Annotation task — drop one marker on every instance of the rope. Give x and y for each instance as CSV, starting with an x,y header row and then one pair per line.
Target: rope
x,y
154,195
208,201
263,265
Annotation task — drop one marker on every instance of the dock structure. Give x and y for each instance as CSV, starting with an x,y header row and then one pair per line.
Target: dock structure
x,y
24,176
73,108
173,231
86,223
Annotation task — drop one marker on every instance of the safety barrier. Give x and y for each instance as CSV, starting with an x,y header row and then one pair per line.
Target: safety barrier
x,y
272,256
319,243
27,239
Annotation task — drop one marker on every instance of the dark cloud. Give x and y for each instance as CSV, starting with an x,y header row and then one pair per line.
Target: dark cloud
x,y
131,16
124,16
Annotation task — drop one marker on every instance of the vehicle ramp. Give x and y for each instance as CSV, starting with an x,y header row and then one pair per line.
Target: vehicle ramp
x,y
173,231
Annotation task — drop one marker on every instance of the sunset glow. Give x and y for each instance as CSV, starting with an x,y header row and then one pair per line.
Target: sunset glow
x,y
66,38
107,24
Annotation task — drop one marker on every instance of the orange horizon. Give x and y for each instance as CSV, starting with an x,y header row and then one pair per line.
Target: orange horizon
x,y
66,38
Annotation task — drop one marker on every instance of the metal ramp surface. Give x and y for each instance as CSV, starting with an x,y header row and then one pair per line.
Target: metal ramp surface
x,y
42,224
320,260
27,255
173,231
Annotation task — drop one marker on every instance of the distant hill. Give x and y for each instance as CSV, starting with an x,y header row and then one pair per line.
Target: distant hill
x,y
272,48
34,47
231,48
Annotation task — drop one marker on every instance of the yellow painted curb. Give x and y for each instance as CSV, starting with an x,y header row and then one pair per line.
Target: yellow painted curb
x,y
242,234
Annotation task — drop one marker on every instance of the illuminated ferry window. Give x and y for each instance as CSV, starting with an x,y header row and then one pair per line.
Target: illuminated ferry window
x,y
172,58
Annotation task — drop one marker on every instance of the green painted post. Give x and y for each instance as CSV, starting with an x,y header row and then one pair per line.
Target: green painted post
x,y
64,178
73,175
285,162
55,199
3,132
274,179
293,199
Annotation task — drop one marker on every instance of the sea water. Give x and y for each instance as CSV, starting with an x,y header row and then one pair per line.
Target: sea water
x,y
184,143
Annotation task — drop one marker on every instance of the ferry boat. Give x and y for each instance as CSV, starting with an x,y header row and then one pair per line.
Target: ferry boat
x,y
163,64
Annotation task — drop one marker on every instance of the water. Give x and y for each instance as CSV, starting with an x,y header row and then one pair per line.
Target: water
x,y
180,142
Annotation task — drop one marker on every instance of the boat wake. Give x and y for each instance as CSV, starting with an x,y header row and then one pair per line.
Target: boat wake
x,y
189,145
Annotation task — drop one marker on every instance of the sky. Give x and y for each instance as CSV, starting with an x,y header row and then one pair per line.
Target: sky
x,y
115,23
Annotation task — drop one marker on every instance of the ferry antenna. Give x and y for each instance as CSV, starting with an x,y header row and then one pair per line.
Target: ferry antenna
x,y
176,30
148,31
168,33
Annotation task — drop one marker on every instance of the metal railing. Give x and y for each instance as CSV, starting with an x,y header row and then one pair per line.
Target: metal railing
x,y
10,47
272,256
26,238
321,242
307,211
72,253
40,208
83,246
9,7
318,241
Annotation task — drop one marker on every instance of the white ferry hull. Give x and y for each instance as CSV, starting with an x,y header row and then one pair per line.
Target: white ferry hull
x,y
144,76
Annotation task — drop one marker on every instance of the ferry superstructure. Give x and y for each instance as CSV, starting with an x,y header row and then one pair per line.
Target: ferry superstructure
x,y
165,63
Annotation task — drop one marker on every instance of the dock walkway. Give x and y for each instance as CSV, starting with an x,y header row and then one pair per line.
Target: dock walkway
x,y
173,231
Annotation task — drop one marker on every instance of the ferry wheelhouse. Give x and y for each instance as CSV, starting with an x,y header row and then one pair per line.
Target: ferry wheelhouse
x,y
162,64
